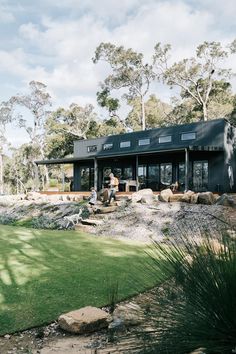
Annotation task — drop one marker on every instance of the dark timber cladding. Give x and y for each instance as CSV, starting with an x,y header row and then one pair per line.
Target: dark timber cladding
x,y
200,156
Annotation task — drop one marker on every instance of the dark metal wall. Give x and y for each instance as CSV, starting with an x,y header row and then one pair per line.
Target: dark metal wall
x,y
209,133
216,166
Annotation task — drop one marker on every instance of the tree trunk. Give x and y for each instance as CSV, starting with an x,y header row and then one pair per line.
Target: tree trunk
x,y
36,177
46,175
205,113
143,117
1,173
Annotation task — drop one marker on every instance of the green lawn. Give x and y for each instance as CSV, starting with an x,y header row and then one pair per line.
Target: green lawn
x,y
45,273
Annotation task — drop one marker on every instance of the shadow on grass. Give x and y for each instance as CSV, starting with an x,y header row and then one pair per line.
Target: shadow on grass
x,y
45,273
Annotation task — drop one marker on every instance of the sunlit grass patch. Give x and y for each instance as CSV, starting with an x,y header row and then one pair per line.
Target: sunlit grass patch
x,y
45,273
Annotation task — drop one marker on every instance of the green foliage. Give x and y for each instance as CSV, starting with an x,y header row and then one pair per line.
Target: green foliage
x,y
105,100
199,308
47,273
129,72
112,293
195,76
53,182
43,222
156,113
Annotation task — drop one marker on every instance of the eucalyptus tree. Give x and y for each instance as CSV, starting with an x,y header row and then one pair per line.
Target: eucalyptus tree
x,y
195,76
5,120
157,113
37,102
129,73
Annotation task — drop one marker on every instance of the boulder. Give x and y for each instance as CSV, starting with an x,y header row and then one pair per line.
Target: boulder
x,y
130,314
85,320
206,198
33,196
176,198
93,222
226,200
165,195
117,325
199,351
143,196
106,210
194,198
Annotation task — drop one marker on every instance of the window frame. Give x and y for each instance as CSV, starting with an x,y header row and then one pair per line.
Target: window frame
x,y
125,141
103,146
143,139
94,149
164,142
185,133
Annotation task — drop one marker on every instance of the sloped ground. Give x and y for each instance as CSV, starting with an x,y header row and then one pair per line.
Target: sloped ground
x,y
163,221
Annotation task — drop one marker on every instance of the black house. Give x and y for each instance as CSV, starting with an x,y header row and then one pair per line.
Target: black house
x,y
200,156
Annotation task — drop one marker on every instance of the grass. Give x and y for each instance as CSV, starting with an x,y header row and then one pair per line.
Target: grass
x,y
45,273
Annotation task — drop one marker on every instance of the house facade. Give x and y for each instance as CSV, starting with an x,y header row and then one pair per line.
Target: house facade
x,y
200,156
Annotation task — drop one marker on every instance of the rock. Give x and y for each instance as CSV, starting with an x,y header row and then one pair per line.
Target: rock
x,y
194,198
199,351
206,198
144,195
187,196
131,314
189,192
226,200
117,325
7,336
92,222
33,196
176,198
165,195
85,320
106,210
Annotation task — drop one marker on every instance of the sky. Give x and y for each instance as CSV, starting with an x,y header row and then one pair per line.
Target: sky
x,y
53,41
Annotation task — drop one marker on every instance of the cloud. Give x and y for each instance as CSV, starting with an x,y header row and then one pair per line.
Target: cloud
x,y
6,16
57,47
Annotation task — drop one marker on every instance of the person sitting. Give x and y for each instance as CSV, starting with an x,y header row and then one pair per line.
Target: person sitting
x,y
175,186
93,197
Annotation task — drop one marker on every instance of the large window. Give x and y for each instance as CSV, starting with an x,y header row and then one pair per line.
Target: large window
x,y
166,173
127,173
188,136
181,174
200,175
153,177
165,139
87,178
125,144
142,176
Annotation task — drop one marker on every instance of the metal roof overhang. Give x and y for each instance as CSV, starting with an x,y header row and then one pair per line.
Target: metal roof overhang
x,y
62,161
99,157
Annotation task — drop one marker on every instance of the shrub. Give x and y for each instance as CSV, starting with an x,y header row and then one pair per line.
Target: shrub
x,y
198,309
43,222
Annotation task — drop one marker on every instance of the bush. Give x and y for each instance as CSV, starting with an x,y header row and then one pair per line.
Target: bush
x,y
43,222
198,309
6,220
